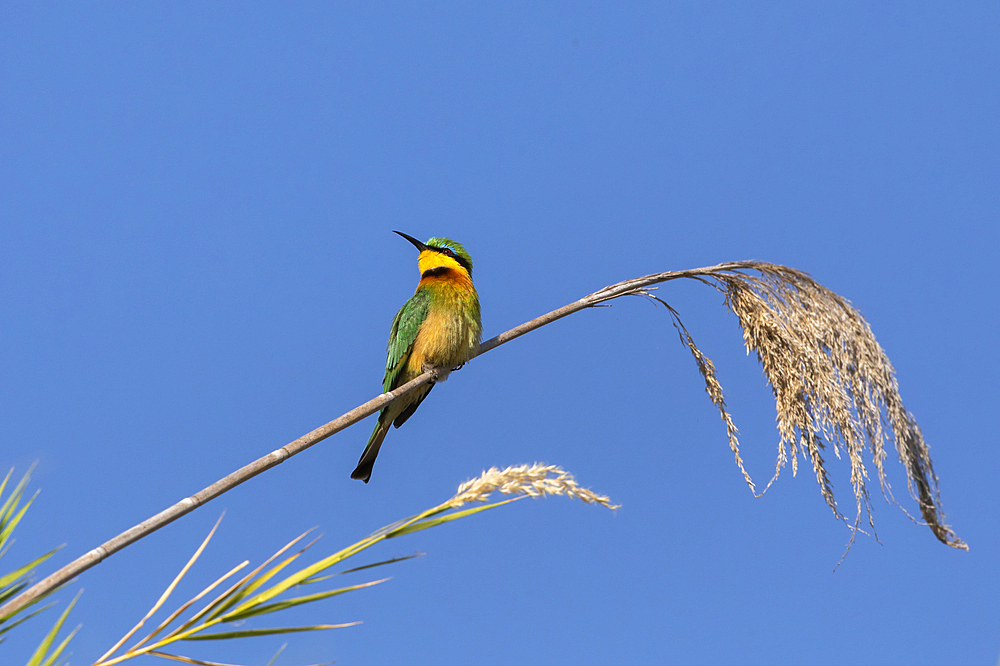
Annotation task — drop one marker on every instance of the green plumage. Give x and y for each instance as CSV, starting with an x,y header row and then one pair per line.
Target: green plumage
x,y
403,334
439,326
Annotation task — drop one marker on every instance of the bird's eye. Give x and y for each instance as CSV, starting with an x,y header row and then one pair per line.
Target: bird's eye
x,y
448,251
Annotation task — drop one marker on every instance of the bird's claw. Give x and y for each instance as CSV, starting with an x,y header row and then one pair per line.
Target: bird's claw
x,y
440,374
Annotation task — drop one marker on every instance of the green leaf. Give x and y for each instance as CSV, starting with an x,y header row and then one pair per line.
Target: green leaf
x,y
11,591
265,632
317,579
41,656
239,595
8,525
392,527
9,578
10,504
18,621
297,601
299,576
62,646
7,507
424,524
34,601
3,484
186,660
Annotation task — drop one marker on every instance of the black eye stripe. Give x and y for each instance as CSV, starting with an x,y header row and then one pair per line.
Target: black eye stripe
x,y
448,252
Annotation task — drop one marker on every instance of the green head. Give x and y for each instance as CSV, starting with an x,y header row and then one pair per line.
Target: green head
x,y
445,247
457,249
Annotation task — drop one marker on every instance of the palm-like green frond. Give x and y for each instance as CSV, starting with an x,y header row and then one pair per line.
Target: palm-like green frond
x,y
47,651
261,592
12,583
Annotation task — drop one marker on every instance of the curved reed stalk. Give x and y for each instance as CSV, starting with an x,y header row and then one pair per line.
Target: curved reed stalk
x,y
832,383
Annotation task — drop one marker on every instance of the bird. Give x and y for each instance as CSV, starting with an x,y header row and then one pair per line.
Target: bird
x,y
439,327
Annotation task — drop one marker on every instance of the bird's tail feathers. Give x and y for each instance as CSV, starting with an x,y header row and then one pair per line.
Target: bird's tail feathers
x,y
364,469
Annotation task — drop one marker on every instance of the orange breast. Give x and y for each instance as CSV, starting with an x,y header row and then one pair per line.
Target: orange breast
x,y
446,337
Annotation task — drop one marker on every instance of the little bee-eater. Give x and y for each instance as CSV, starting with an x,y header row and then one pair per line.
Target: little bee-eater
x,y
439,327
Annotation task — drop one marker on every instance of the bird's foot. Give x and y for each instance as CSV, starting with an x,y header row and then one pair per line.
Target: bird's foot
x,y
459,367
440,374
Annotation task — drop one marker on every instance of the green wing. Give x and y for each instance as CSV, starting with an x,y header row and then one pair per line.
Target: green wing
x,y
404,331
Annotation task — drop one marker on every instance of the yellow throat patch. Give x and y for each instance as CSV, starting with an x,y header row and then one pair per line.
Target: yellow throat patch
x,y
430,260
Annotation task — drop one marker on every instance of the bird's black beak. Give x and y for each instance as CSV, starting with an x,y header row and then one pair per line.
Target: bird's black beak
x,y
420,246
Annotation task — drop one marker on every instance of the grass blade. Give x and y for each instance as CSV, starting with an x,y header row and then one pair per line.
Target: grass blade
x,y
266,632
41,655
317,579
9,578
19,620
189,660
297,601
433,522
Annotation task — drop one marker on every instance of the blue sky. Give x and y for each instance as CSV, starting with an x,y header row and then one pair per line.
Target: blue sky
x,y
197,267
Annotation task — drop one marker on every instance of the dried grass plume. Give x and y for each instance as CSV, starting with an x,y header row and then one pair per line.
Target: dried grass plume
x,y
537,480
832,382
